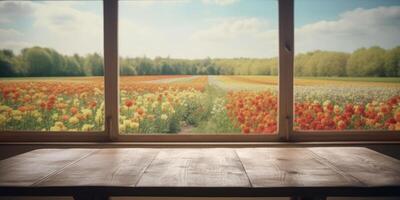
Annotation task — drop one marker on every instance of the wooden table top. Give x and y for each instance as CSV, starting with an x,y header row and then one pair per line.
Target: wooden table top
x,y
237,171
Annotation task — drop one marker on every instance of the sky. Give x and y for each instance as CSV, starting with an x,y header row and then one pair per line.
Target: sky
x,y
199,28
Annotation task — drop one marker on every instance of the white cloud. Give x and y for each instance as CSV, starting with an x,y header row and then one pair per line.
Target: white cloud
x,y
69,29
15,45
149,3
60,25
6,34
220,2
240,37
231,29
136,39
5,20
244,37
57,25
354,29
11,11
12,39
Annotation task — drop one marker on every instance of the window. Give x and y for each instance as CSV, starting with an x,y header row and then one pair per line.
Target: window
x,y
198,67
199,70
347,65
51,66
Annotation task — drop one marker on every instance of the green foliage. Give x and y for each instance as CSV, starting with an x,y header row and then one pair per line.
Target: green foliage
x,y
93,65
392,62
215,117
6,58
366,62
38,61
321,63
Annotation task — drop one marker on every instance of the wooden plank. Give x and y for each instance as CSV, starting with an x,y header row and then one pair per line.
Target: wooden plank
x,y
28,168
286,55
217,167
289,167
370,167
106,167
111,68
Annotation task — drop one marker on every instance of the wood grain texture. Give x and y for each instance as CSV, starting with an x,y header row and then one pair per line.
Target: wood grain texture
x,y
29,168
289,167
106,167
370,167
195,168
286,57
219,172
111,68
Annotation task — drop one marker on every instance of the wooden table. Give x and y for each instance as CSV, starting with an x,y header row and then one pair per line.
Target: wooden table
x,y
300,173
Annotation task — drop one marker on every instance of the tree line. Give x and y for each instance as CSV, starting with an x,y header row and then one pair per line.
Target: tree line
x,y
364,62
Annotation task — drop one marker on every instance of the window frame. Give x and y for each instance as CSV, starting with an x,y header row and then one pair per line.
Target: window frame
x,y
285,132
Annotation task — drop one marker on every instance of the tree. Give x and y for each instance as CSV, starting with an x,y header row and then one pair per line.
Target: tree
x,y
366,62
300,63
6,65
166,69
58,62
127,66
328,63
392,62
38,61
94,65
144,66
71,67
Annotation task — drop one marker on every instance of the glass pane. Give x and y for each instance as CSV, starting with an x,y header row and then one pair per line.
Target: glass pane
x,y
51,66
347,65
198,67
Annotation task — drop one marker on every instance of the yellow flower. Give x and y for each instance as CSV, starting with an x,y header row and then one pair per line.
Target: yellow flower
x,y
83,95
97,91
87,127
73,120
99,116
122,127
3,119
54,116
87,113
76,102
4,108
127,123
16,114
36,114
164,117
135,125
58,126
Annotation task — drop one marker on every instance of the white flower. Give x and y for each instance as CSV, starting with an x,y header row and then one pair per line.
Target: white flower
x,y
164,117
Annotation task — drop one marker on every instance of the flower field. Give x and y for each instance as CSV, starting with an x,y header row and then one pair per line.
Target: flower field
x,y
69,104
197,104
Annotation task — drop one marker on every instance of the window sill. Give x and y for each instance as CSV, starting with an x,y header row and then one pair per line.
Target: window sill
x,y
200,144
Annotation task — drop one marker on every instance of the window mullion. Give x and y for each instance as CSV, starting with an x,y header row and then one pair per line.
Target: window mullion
x,y
286,52
111,68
